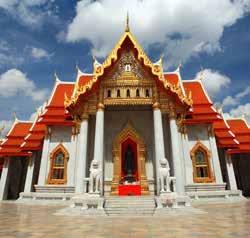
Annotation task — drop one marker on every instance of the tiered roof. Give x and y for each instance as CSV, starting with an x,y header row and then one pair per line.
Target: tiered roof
x,y
11,145
54,112
25,137
33,140
202,110
241,130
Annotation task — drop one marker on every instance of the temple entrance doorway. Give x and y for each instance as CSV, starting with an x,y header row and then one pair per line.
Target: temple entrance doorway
x,y
129,174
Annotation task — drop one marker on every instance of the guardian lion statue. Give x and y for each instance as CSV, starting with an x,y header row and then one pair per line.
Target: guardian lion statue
x,y
95,179
164,175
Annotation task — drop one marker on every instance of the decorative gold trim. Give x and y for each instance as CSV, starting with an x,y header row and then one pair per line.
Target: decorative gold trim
x,y
98,70
129,132
207,152
156,105
50,180
100,106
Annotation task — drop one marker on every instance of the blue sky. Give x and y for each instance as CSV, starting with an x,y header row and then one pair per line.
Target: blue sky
x,y
39,37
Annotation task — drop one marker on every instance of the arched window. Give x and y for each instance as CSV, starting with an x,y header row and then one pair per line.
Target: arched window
x,y
147,93
118,93
201,166
109,93
128,93
137,93
58,165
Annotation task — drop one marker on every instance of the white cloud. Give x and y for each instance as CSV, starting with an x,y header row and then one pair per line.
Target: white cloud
x,y
230,101
241,110
29,12
13,82
213,81
39,53
183,28
9,55
7,59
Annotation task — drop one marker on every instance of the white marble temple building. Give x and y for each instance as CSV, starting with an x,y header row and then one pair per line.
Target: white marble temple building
x,y
128,128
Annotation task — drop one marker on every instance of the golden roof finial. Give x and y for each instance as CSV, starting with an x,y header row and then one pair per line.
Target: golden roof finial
x,y
56,77
1,129
15,116
127,23
201,74
162,57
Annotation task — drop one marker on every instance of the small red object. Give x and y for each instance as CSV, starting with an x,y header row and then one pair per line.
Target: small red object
x,y
129,190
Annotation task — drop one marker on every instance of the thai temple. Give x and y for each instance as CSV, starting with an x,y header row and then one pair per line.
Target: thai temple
x,y
128,129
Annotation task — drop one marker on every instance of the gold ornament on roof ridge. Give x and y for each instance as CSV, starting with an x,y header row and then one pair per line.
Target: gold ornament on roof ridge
x,y
156,69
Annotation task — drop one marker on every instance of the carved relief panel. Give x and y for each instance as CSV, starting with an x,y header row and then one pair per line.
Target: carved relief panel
x,y
128,83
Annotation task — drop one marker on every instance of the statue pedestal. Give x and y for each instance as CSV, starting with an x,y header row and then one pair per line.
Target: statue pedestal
x,y
171,200
88,203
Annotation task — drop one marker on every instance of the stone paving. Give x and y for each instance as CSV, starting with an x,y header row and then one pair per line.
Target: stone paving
x,y
217,220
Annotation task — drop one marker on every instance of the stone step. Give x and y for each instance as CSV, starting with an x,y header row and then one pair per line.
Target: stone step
x,y
129,209
129,203
131,206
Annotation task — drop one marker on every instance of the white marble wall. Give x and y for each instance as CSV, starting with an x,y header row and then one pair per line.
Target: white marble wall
x,y
63,135
200,133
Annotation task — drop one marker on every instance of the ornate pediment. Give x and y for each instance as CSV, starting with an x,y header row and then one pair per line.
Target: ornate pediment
x,y
127,83
128,65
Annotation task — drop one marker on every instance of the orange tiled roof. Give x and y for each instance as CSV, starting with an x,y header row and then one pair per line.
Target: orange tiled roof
x,y
55,112
225,137
242,133
172,78
33,140
11,146
202,109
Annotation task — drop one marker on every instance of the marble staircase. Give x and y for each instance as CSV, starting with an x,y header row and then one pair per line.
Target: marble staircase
x,y
130,206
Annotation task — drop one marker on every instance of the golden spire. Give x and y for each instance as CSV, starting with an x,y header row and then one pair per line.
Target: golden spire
x,y
127,23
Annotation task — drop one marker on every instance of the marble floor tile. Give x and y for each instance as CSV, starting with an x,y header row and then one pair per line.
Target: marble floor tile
x,y
39,221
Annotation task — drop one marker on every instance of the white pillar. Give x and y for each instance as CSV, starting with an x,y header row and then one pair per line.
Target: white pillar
x,y
159,141
4,181
82,141
188,166
99,138
29,174
177,163
230,172
44,161
215,159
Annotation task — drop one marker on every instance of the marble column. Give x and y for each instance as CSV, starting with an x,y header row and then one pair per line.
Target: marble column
x,y
230,172
215,157
82,142
29,174
176,155
159,141
188,166
4,180
44,161
99,139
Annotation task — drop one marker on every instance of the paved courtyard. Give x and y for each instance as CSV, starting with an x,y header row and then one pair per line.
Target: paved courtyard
x,y
217,220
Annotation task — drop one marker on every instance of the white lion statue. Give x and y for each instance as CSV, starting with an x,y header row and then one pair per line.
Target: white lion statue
x,y
95,179
164,175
